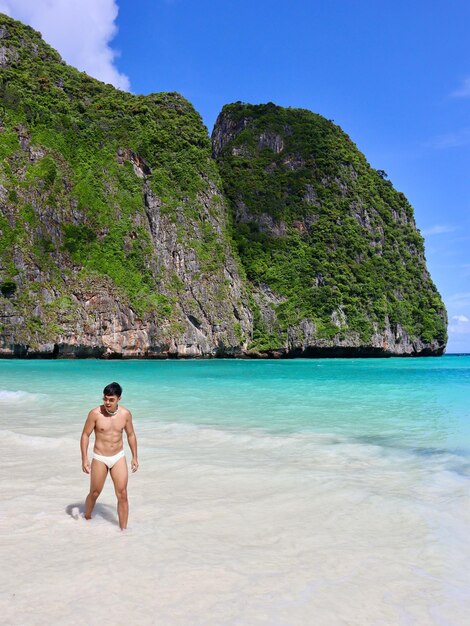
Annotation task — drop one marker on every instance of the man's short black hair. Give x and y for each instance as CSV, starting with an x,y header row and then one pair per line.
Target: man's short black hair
x,y
113,389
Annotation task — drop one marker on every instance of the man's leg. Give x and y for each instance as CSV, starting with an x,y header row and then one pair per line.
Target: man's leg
x,y
119,476
98,474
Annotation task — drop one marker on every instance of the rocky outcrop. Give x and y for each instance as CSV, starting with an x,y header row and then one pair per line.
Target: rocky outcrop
x,y
114,235
225,131
205,311
124,233
334,259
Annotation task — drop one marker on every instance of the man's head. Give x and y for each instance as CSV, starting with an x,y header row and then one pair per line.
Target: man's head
x,y
111,396
113,389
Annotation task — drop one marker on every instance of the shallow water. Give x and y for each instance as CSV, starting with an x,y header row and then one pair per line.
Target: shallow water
x,y
324,492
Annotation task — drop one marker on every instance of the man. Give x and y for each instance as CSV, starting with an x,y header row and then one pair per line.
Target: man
x,y
108,421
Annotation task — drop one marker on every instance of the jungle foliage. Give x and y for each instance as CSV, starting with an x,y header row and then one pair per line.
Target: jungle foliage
x,y
321,228
76,127
311,221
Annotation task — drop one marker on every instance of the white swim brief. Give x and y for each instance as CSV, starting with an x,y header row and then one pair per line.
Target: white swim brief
x,y
109,461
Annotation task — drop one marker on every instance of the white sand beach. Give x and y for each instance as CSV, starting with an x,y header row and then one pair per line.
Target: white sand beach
x,y
230,529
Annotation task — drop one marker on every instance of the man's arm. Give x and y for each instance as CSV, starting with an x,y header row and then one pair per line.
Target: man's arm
x,y
87,430
132,441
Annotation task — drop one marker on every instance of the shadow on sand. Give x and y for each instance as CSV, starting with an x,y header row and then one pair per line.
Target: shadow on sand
x,y
103,510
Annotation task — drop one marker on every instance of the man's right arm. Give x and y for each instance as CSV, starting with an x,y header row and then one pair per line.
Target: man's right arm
x,y
87,430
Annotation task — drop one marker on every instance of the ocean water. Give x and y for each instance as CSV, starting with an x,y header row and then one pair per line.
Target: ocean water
x,y
304,492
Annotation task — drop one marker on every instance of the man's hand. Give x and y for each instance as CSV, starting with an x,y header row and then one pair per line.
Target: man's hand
x,y
134,465
86,466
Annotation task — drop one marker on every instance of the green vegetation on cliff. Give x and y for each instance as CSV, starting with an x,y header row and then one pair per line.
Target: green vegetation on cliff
x,y
80,125
81,164
116,236
321,229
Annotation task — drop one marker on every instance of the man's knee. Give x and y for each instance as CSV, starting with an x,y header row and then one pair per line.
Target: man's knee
x,y
94,493
122,494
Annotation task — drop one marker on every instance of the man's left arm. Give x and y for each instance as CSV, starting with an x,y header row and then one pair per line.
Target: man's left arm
x,y
132,441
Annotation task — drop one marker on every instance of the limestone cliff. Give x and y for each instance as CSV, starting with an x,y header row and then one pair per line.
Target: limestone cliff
x,y
334,259
120,238
113,226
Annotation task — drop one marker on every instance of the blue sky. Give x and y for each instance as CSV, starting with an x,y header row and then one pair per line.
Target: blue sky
x,y
395,76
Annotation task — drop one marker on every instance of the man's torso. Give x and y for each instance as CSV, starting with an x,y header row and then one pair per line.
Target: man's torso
x,y
108,431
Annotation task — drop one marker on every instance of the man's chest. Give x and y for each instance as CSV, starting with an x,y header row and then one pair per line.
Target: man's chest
x,y
109,425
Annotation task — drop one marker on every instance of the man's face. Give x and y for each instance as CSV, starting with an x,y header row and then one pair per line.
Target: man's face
x,y
110,403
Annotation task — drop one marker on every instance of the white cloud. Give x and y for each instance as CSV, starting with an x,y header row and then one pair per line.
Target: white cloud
x,y
80,31
463,91
458,329
461,318
438,229
459,324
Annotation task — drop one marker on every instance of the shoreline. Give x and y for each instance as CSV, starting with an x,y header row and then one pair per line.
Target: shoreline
x,y
331,352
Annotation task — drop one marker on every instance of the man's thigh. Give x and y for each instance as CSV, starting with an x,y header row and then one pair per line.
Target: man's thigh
x,y
119,474
98,474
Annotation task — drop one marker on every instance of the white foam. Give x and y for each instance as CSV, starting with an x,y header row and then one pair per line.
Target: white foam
x,y
16,396
34,441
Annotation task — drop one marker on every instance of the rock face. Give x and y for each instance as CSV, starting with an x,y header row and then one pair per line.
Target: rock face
x,y
119,238
334,260
114,238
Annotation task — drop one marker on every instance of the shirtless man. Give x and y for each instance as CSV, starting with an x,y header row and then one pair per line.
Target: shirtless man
x,y
108,421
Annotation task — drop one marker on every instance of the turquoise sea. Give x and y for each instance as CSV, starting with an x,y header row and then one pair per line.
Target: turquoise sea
x,y
269,492
414,404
